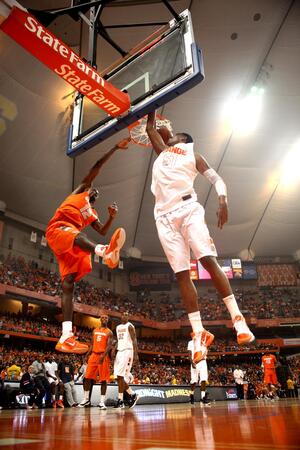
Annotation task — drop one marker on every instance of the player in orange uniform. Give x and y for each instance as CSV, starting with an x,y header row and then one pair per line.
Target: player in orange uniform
x,y
73,249
269,363
98,362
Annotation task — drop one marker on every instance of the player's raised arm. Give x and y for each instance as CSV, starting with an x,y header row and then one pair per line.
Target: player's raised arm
x,y
220,187
87,181
154,136
103,228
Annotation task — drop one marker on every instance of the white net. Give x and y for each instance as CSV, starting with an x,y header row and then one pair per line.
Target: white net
x,y
138,132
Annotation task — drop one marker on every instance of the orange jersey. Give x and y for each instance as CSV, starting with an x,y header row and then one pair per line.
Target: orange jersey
x,y
269,362
75,209
100,339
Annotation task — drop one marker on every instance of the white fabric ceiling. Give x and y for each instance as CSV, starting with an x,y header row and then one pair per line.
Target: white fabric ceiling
x,y
36,175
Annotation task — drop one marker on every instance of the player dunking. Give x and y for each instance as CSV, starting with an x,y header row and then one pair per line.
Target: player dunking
x,y
73,249
181,226
98,362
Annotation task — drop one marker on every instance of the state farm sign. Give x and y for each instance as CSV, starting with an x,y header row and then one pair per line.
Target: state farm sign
x,y
51,51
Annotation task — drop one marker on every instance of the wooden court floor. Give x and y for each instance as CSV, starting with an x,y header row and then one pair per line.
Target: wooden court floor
x,y
243,425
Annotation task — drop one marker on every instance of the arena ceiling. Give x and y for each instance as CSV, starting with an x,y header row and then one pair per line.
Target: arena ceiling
x,y
245,43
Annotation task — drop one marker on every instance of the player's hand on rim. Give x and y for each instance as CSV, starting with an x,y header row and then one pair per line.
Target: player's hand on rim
x,y
113,210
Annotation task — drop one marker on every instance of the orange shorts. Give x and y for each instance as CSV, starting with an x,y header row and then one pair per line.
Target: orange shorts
x,y
270,376
96,371
70,258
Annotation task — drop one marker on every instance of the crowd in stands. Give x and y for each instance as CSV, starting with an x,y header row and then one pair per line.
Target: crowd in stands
x,y
156,371
261,303
34,325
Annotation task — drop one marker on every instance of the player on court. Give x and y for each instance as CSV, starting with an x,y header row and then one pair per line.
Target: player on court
x,y
73,249
98,365
181,226
199,373
127,353
269,363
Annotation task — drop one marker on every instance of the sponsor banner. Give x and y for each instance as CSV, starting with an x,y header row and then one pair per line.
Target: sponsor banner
x,y
150,394
57,56
194,269
231,394
236,263
226,267
153,279
294,341
249,271
237,268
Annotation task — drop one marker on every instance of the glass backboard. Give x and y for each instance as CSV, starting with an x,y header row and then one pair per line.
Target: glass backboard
x,y
164,66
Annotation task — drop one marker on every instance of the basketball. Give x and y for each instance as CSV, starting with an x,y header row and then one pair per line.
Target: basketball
x,y
165,134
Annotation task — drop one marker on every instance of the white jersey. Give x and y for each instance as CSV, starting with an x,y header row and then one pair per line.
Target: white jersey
x,y
173,175
123,336
191,348
51,368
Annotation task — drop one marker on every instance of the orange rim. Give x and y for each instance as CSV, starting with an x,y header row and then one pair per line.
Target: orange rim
x,y
137,130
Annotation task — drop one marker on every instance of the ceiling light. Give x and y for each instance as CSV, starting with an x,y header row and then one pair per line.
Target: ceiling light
x,y
243,115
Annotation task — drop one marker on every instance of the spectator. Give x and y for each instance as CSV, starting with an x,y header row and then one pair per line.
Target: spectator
x,y
14,372
66,374
238,375
28,388
41,382
290,387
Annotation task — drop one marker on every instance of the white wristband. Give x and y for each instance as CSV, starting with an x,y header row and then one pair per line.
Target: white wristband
x,y
220,187
216,180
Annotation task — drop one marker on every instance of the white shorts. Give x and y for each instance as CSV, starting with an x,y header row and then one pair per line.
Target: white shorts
x,y
123,364
200,373
182,230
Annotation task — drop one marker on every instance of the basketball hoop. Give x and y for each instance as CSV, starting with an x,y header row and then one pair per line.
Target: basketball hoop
x,y
138,131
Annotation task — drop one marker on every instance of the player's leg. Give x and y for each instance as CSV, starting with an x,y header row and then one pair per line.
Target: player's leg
x,y
210,263
121,388
196,232
201,337
60,392
110,253
67,343
103,394
86,393
119,372
192,393
122,364
104,376
203,376
53,394
177,252
130,397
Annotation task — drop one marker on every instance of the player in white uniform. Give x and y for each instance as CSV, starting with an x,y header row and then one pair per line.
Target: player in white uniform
x,y
199,373
181,226
127,352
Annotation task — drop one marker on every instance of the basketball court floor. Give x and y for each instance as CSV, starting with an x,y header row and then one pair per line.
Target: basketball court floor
x,y
243,425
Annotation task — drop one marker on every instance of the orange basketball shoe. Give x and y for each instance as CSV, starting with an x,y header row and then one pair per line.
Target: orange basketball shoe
x,y
244,335
201,340
71,345
112,253
60,404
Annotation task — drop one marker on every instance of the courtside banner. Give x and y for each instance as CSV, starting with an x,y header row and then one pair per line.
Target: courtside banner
x,y
41,43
